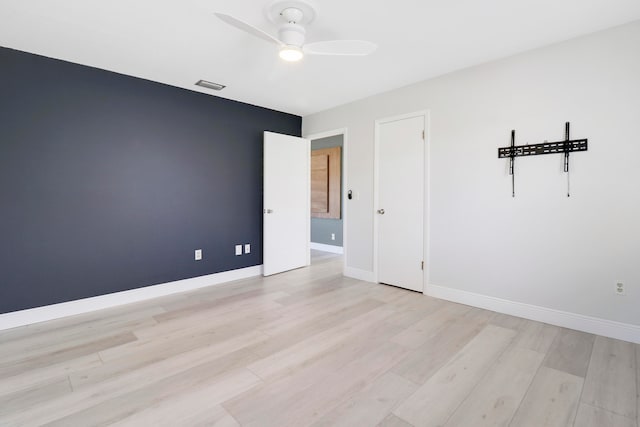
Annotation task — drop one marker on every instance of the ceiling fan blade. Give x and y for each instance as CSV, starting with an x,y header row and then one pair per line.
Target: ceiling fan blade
x,y
340,47
241,25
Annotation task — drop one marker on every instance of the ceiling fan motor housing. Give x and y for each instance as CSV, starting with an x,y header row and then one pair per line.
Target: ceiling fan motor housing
x,y
292,34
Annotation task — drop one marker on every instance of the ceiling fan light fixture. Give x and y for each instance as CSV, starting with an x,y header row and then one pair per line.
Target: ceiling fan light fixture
x,y
291,53
291,16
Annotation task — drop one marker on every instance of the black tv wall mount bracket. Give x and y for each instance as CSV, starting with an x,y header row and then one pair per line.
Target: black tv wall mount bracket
x,y
566,147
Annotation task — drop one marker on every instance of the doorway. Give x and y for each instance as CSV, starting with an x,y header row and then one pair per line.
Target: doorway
x,y
328,210
400,154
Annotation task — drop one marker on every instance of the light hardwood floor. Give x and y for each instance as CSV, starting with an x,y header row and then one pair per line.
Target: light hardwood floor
x,y
312,348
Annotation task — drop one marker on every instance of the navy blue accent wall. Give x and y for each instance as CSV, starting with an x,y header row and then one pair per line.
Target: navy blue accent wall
x,y
110,182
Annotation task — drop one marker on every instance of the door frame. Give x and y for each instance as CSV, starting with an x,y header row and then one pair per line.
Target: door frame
x,y
343,184
426,197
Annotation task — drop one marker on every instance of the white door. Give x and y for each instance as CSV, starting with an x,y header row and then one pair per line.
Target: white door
x,y
400,202
286,218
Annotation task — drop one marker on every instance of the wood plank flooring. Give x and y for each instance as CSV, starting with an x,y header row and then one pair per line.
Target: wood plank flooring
x,y
312,348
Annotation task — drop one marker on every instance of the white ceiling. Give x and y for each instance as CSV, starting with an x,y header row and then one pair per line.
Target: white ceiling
x,y
180,42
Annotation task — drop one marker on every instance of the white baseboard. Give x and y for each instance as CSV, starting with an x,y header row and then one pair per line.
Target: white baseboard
x,y
85,305
594,325
326,248
356,273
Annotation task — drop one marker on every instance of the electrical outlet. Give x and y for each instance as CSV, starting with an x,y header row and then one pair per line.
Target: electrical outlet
x,y
247,248
198,254
333,236
620,289
238,249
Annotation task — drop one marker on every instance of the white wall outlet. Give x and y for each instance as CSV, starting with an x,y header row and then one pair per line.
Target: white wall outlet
x,y
247,248
238,249
333,236
620,288
198,254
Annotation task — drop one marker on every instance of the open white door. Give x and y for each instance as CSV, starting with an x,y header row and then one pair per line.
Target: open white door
x,y
286,218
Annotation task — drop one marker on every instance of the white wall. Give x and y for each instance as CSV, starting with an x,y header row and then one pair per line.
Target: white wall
x,y
540,248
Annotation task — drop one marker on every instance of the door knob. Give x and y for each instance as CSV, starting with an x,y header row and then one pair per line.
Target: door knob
x,y
268,211
381,211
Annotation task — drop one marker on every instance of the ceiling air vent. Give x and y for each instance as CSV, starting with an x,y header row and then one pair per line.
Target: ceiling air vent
x,y
210,85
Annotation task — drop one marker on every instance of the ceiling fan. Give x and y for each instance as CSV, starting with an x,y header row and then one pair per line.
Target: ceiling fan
x,y
291,16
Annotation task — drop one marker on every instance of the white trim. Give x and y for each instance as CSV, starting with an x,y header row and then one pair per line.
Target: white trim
x,y
344,204
326,134
594,325
426,170
327,248
427,200
308,208
85,305
356,273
